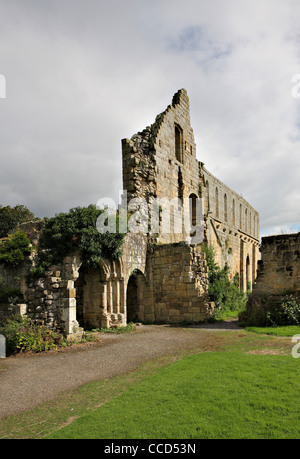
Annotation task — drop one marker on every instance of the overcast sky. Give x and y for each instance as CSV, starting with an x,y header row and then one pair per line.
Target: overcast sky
x,y
83,74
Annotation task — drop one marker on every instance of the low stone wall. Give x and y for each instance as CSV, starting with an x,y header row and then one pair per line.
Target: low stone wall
x,y
279,267
52,298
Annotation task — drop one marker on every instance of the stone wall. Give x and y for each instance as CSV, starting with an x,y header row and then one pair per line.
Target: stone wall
x,y
232,228
70,296
279,268
177,285
14,278
51,299
154,167
160,162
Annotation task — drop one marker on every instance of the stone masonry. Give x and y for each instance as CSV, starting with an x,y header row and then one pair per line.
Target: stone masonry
x,y
279,267
162,275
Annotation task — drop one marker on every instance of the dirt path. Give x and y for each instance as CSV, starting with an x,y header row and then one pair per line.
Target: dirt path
x,y
27,381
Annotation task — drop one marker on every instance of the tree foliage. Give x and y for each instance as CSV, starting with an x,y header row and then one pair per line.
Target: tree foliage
x,y
222,291
11,217
76,230
15,249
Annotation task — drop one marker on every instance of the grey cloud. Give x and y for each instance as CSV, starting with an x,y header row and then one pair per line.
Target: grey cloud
x,y
81,75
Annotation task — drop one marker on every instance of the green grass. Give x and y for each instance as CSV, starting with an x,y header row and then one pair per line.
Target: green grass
x,y
236,384
207,395
289,330
116,330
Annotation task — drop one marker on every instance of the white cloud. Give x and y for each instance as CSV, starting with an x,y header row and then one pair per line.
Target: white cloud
x,y
82,75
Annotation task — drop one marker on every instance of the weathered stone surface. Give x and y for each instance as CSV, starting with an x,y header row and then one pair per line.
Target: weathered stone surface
x,y
279,268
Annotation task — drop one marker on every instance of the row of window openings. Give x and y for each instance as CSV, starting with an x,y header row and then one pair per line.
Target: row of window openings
x,y
234,213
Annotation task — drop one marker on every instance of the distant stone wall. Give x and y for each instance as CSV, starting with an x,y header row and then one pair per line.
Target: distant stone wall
x,y
232,229
279,268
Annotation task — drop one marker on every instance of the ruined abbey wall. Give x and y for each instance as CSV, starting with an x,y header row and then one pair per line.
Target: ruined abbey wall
x,y
279,268
177,284
160,162
232,229
162,274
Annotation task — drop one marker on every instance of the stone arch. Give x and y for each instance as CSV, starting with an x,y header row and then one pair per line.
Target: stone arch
x,y
88,287
100,295
135,296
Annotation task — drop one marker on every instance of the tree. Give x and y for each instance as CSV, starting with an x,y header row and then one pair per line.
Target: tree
x,y
11,217
75,230
223,292
15,249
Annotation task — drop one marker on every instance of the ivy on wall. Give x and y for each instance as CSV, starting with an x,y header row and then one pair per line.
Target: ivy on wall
x,y
76,230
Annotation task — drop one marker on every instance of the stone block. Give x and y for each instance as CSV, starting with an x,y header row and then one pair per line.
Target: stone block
x,y
70,293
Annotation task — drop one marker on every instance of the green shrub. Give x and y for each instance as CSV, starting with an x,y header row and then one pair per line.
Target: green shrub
x,y
23,335
15,249
222,291
272,311
10,217
75,230
8,295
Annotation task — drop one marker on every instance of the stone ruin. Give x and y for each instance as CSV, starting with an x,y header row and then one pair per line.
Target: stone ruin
x,y
160,277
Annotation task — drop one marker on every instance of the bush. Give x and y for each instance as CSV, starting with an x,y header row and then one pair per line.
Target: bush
x,y
222,291
15,249
75,230
10,217
272,311
9,295
23,335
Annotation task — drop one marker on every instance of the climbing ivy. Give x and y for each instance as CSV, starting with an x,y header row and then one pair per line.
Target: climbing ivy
x,y
76,229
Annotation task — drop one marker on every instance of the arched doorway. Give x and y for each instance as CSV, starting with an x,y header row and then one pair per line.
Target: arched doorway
x,y
135,297
88,297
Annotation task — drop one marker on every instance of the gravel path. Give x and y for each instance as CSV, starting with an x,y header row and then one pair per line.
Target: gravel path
x,y
28,380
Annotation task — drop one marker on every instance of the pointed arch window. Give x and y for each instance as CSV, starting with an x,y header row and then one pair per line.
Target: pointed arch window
x,y
225,207
178,143
233,212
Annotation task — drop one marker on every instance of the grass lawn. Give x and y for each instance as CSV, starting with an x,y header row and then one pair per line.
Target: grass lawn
x,y
207,395
247,386
289,330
